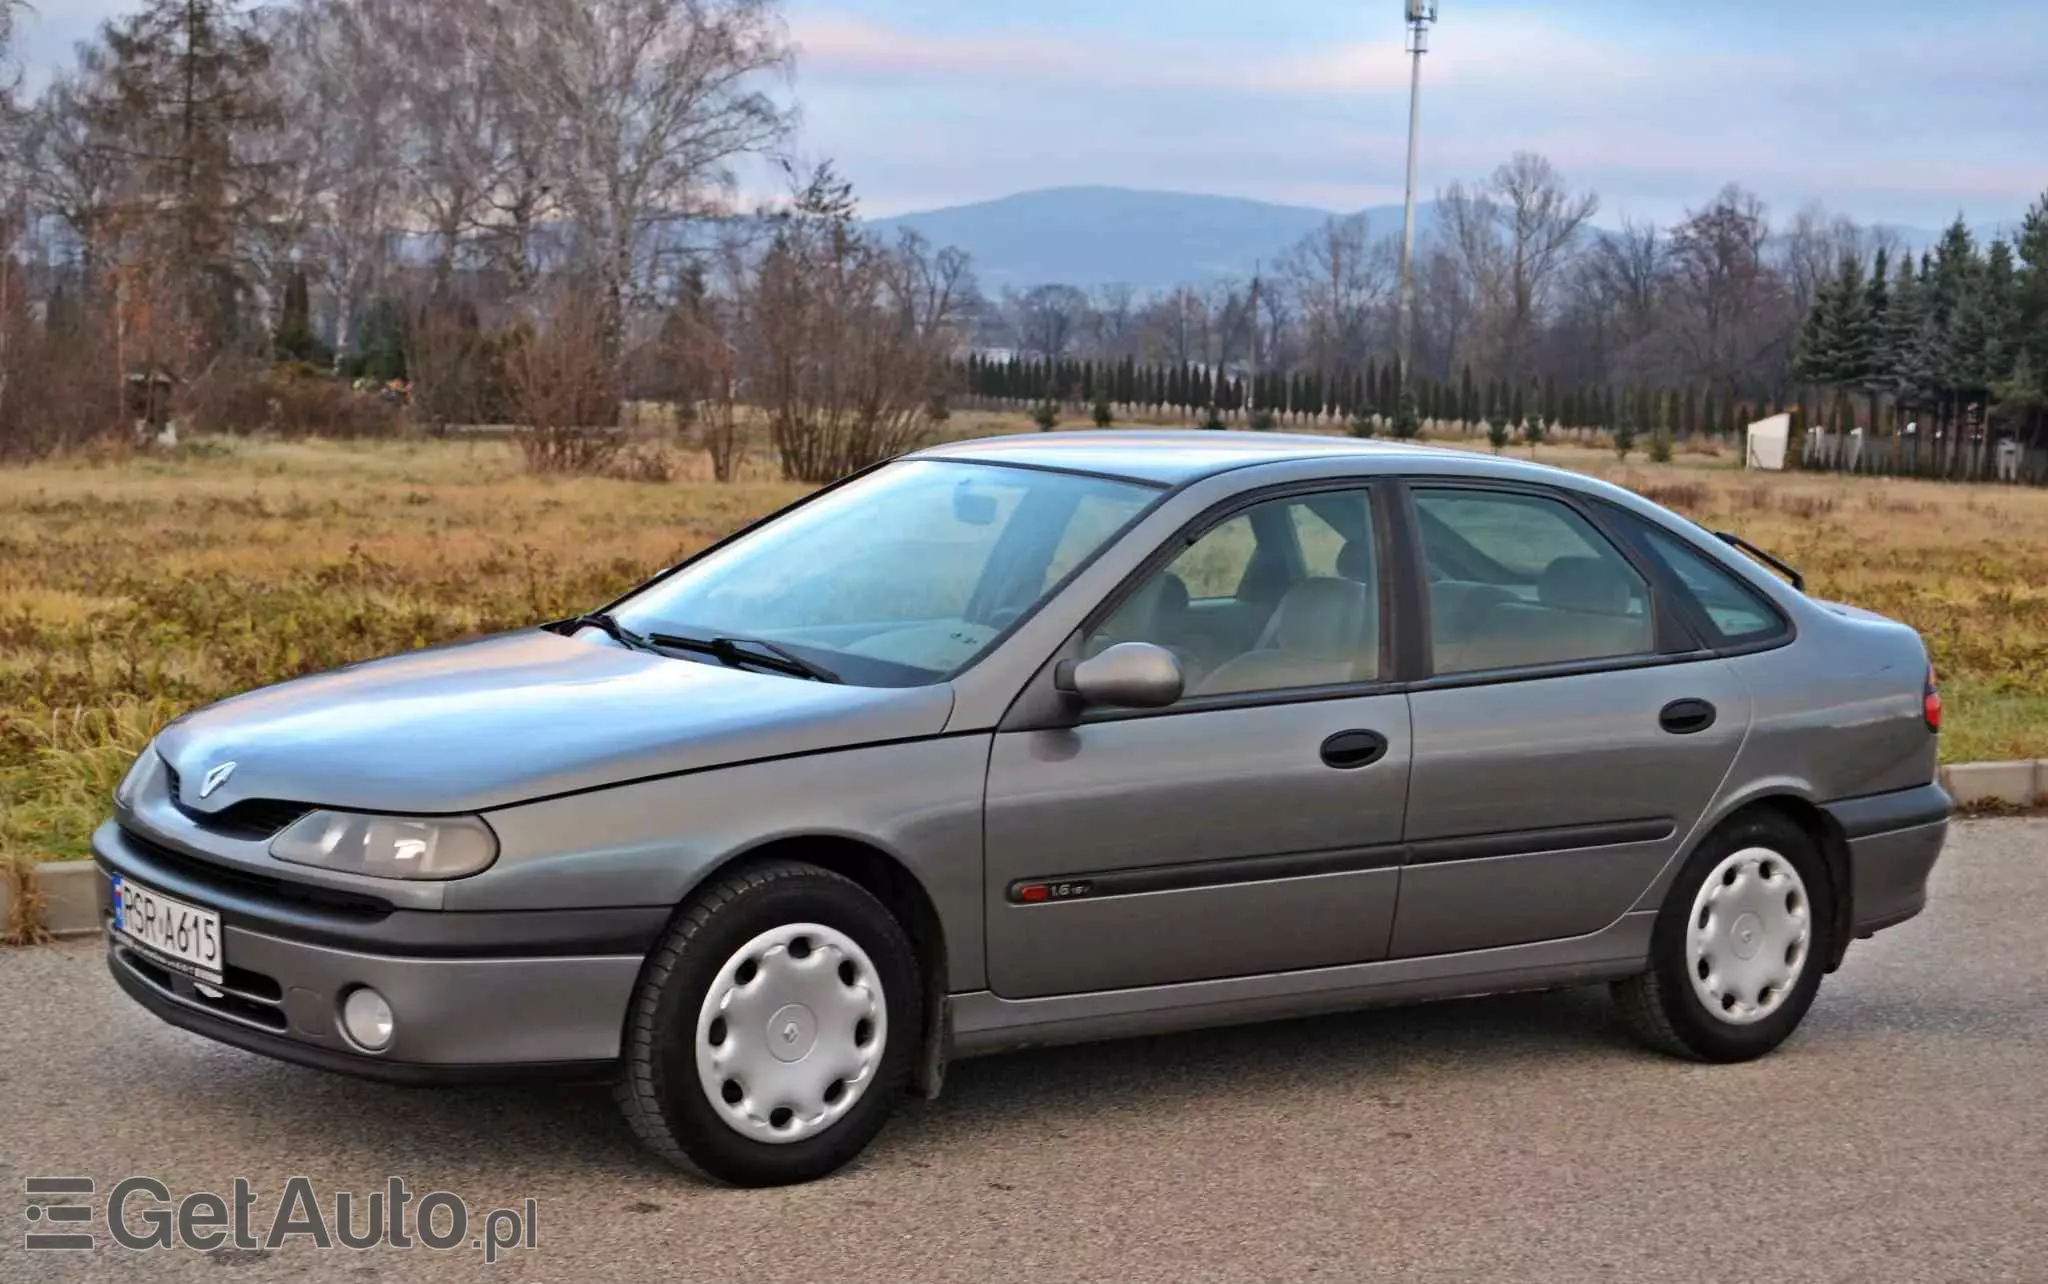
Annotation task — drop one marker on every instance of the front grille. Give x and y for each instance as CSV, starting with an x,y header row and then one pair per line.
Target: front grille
x,y
251,820
249,997
357,905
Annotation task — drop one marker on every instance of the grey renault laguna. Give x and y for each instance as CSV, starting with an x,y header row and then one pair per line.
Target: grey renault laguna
x,y
1046,738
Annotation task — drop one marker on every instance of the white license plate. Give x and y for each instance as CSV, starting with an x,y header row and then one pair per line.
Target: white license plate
x,y
183,936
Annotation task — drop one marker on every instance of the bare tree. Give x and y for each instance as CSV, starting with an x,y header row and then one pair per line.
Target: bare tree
x,y
1627,269
1514,234
71,174
451,101
10,86
1728,315
1112,321
334,68
648,103
1340,279
1232,326
845,339
1445,311
1276,322
1811,251
1049,318
1171,327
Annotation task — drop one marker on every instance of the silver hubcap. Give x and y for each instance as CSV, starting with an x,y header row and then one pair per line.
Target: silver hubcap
x,y
791,1033
1751,931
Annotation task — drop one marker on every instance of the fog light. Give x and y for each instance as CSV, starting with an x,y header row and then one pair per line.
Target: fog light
x,y
367,1020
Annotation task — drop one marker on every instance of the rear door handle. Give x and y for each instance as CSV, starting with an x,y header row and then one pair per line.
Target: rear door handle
x,y
1684,717
1350,750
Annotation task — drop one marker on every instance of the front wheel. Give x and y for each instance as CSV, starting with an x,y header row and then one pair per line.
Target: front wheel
x,y
773,1027
1736,955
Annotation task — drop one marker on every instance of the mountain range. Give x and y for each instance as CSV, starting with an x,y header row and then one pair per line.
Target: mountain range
x,y
1151,240
1093,236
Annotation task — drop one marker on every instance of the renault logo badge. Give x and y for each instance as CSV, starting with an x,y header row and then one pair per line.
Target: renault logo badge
x,y
216,778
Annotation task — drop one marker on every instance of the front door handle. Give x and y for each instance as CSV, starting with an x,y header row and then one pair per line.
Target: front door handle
x,y
1684,717
1350,750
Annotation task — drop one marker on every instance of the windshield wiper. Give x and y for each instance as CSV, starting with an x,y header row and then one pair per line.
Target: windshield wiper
x,y
609,624
737,651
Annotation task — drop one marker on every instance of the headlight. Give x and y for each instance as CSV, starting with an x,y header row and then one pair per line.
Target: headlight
x,y
138,771
388,846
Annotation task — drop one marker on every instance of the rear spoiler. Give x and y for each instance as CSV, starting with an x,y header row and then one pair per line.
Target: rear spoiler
x,y
1776,564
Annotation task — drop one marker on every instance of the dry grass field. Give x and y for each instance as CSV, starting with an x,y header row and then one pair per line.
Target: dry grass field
x,y
132,589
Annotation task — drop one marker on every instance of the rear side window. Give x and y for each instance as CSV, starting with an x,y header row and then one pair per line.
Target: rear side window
x,y
1731,608
1517,580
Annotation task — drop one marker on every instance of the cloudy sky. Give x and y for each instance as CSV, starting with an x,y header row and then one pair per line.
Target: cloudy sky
x,y
1904,113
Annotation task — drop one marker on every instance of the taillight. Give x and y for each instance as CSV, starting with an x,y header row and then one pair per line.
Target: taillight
x,y
1930,702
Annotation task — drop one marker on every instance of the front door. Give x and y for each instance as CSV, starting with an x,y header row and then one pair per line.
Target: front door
x,y
1253,827
1569,740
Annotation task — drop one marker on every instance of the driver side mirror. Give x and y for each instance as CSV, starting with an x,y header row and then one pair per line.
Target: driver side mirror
x,y
1129,675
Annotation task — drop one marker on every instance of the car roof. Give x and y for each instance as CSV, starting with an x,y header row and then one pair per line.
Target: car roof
x,y
1174,457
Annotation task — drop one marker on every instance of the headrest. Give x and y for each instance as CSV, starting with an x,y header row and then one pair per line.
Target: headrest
x,y
1355,561
1588,584
1172,594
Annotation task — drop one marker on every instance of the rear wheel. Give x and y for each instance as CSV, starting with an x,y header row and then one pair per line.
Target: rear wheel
x,y
772,1029
1735,958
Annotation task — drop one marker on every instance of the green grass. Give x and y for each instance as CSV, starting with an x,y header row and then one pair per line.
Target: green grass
x,y
1982,724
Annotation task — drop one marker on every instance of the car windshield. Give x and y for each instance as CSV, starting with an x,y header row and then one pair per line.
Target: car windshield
x,y
898,578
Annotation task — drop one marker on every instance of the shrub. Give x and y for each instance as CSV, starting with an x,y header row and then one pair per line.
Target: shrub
x,y
1046,416
1362,424
1809,508
290,400
1213,422
1407,418
61,386
1263,420
938,409
643,462
1104,415
562,393
1497,434
1660,447
1624,437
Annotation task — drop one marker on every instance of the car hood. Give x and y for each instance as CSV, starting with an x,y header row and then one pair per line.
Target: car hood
x,y
506,719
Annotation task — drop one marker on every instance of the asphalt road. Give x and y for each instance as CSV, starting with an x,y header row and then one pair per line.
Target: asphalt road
x,y
1902,1135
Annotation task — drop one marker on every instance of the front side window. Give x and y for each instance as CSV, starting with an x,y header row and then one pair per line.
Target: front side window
x,y
1284,594
900,577
1517,580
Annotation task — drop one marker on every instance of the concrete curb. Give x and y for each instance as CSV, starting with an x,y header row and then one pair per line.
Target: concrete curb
x,y
2023,783
71,899
70,896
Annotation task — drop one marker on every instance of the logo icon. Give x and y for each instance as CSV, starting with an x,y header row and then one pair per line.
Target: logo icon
x,y
59,1210
216,778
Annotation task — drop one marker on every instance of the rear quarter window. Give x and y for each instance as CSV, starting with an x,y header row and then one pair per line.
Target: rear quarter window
x,y
1736,614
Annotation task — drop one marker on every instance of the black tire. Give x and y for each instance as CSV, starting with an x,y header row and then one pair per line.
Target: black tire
x,y
1662,1010
658,1087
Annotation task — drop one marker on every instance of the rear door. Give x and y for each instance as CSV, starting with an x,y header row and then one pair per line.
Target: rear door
x,y
1571,729
1254,826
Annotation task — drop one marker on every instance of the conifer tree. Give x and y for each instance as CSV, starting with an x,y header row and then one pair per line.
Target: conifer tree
x,y
182,104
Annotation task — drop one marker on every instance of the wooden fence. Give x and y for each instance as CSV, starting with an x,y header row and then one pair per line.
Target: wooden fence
x,y
1955,457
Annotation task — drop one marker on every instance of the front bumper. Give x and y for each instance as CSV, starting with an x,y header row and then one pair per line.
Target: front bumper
x,y
475,996
1893,841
